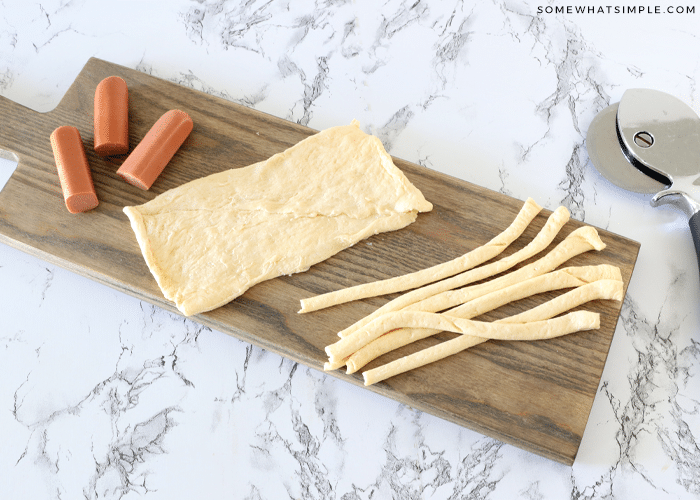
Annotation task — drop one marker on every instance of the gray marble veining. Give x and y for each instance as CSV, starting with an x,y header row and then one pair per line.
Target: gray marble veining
x,y
107,397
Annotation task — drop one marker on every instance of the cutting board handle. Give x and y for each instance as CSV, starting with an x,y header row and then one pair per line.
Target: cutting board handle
x,y
20,125
26,132
11,110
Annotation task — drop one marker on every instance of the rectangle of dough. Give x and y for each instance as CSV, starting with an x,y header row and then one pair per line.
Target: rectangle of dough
x,y
208,241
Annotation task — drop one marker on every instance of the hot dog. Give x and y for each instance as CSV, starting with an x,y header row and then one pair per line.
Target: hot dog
x,y
73,170
149,158
111,117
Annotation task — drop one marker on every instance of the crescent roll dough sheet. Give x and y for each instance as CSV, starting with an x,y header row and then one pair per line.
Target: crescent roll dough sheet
x,y
208,241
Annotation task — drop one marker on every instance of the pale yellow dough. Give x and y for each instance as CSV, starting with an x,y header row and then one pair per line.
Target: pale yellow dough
x,y
208,241
556,280
558,218
605,289
578,241
435,273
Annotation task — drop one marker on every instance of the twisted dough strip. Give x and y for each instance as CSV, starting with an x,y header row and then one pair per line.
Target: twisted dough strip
x,y
546,235
569,277
581,240
406,282
603,289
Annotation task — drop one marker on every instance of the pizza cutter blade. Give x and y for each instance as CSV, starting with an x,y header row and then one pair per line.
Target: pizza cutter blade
x,y
650,143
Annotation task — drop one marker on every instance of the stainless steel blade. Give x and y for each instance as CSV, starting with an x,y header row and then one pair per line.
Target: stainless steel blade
x,y
606,155
650,143
661,133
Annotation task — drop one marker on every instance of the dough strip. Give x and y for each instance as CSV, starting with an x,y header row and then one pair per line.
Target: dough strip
x,y
419,278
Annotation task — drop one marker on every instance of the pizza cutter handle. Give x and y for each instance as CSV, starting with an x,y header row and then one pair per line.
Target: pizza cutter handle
x,y
682,200
694,223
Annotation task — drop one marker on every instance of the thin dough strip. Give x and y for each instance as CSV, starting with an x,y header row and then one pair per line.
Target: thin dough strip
x,y
569,277
607,289
581,240
533,330
598,290
419,278
334,365
546,235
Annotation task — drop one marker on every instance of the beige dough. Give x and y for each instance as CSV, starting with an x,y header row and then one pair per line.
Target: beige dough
x,y
534,330
606,289
208,241
551,228
569,277
581,240
419,278
548,232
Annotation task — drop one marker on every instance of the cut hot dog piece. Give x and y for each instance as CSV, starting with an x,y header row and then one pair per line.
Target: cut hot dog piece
x,y
149,158
73,170
111,117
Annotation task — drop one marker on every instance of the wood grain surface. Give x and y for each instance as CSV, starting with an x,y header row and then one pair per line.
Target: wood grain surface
x,y
534,395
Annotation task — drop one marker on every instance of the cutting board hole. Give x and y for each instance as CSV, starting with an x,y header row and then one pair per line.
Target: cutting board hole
x,y
8,164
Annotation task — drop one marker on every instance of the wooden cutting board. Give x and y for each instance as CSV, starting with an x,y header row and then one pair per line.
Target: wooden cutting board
x,y
535,395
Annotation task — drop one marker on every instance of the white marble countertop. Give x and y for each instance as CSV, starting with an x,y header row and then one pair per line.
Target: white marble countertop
x,y
104,396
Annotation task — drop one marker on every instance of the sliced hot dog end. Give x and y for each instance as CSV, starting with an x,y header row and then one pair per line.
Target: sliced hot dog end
x,y
156,149
81,202
111,149
134,181
73,169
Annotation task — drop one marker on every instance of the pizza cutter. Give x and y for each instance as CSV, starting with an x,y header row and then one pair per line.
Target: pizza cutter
x,y
649,142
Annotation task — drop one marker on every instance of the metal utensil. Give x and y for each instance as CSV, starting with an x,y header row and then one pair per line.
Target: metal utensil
x,y
649,142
